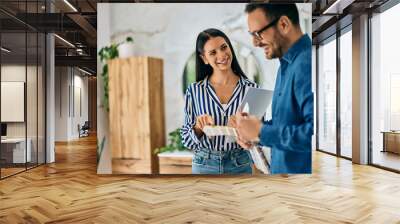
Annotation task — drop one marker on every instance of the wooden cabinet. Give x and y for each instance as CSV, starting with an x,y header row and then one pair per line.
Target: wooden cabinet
x,y
176,162
391,142
137,126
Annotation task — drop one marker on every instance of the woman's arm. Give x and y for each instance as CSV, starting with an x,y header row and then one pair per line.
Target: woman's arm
x,y
190,137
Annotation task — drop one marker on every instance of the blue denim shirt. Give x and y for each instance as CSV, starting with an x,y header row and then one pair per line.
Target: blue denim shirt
x,y
289,131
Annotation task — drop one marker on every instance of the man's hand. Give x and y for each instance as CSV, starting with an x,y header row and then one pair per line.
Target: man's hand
x,y
248,128
243,144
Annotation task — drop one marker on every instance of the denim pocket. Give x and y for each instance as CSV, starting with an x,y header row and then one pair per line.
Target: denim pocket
x,y
200,160
241,159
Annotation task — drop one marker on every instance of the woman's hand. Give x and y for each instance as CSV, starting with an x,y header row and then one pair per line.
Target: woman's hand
x,y
232,121
201,121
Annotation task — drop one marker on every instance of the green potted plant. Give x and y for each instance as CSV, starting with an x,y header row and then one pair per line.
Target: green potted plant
x,y
175,143
106,53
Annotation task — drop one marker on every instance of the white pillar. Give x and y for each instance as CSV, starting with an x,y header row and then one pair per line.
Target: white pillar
x,y
50,93
360,90
50,109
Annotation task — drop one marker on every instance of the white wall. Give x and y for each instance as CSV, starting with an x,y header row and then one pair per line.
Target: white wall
x,y
33,126
61,103
103,39
80,83
12,73
67,117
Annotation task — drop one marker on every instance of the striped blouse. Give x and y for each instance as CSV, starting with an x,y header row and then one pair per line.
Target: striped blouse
x,y
200,98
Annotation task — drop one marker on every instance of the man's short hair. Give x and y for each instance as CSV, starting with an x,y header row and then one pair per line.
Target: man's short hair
x,y
275,11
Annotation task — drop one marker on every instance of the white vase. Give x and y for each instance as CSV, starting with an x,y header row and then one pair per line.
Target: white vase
x,y
126,50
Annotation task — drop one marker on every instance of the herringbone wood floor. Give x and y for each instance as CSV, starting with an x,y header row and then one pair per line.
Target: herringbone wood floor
x,y
70,191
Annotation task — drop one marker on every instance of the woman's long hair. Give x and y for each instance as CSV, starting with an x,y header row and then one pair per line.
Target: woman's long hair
x,y
203,70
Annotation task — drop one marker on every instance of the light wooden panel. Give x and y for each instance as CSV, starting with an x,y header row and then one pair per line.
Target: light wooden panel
x,y
175,165
156,97
131,166
129,108
136,112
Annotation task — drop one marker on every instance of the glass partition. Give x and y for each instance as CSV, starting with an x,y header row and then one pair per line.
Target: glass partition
x,y
346,94
13,103
22,77
31,100
385,89
327,96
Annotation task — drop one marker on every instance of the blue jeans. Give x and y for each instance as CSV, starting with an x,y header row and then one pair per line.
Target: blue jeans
x,y
236,161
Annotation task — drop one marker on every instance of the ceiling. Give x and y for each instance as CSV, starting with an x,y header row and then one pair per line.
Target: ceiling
x,y
332,15
75,21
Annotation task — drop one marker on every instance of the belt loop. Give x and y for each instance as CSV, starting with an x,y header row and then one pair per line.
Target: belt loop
x,y
231,154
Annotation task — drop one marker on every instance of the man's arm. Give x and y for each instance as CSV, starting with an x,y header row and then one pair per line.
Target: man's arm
x,y
294,137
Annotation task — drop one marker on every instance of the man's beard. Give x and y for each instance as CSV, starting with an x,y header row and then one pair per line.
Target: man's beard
x,y
277,52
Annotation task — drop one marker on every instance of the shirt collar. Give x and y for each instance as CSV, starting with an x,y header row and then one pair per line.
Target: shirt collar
x,y
302,43
242,81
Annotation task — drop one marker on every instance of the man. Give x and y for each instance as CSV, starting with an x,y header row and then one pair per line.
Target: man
x,y
276,29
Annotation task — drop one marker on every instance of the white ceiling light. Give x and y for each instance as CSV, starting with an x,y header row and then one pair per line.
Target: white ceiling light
x,y
86,72
338,6
5,50
79,51
70,5
64,40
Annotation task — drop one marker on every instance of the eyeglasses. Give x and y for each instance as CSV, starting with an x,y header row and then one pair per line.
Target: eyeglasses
x,y
257,34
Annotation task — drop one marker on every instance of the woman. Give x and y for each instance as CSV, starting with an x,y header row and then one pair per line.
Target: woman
x,y
213,100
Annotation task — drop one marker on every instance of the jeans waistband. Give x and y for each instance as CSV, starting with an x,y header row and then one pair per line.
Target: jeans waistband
x,y
207,153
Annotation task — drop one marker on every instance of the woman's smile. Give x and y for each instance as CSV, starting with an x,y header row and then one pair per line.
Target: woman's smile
x,y
224,61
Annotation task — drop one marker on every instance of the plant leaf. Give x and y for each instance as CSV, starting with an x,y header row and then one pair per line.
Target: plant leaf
x,y
175,143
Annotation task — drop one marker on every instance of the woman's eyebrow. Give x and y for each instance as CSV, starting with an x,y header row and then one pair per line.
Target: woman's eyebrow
x,y
222,45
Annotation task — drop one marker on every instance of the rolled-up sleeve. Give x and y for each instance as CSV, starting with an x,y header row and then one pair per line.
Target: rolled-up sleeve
x,y
189,138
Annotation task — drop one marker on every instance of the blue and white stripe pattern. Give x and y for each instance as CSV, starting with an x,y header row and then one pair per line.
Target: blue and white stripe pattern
x,y
201,99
